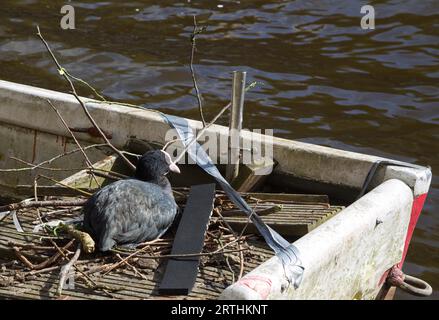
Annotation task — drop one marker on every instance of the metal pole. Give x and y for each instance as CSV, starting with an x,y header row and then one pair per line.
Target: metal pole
x,y
235,124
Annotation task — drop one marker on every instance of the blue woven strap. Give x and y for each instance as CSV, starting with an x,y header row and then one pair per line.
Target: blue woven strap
x,y
286,252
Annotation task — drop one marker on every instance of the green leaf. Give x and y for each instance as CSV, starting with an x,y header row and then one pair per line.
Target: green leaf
x,y
253,84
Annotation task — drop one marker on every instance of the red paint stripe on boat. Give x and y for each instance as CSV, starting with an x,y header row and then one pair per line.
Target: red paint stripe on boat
x,y
261,285
418,204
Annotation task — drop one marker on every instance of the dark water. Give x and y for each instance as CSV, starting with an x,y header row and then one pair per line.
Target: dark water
x,y
325,80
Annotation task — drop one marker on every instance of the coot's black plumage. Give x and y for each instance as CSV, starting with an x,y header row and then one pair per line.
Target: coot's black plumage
x,y
133,210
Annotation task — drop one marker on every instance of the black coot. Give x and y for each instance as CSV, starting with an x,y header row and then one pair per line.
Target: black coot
x,y
128,212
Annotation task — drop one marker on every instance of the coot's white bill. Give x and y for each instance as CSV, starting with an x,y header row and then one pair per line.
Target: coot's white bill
x,y
172,166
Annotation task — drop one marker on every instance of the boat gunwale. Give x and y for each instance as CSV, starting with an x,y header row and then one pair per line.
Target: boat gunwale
x,y
297,159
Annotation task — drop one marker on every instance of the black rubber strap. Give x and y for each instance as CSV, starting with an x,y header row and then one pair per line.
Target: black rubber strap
x,y
285,251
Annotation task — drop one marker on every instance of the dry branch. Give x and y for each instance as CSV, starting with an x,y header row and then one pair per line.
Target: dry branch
x,y
40,204
63,73
66,269
87,160
194,34
85,193
43,264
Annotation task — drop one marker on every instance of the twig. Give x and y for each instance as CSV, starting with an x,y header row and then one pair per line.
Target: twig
x,y
66,269
54,244
67,211
200,133
187,255
43,264
241,263
167,256
87,160
33,235
88,281
86,84
124,104
34,272
97,269
62,72
29,246
31,165
261,212
104,175
227,260
137,272
47,203
241,255
229,227
49,161
194,34
85,193
88,246
93,285
125,259
249,219
114,173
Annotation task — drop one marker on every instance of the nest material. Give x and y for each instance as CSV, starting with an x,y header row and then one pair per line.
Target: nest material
x,y
225,257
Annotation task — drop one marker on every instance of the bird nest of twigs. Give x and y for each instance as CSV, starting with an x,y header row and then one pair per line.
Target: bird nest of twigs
x,y
48,239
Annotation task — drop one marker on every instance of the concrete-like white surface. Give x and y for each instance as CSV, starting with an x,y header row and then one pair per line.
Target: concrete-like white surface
x,y
27,107
345,257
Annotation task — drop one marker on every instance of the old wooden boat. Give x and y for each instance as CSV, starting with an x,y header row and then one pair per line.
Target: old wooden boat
x,y
347,256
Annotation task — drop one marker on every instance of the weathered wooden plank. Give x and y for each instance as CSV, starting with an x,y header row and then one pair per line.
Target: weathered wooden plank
x,y
252,175
297,214
180,274
207,285
297,198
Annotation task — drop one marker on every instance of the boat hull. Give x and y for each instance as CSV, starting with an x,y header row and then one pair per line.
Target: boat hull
x,y
347,257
